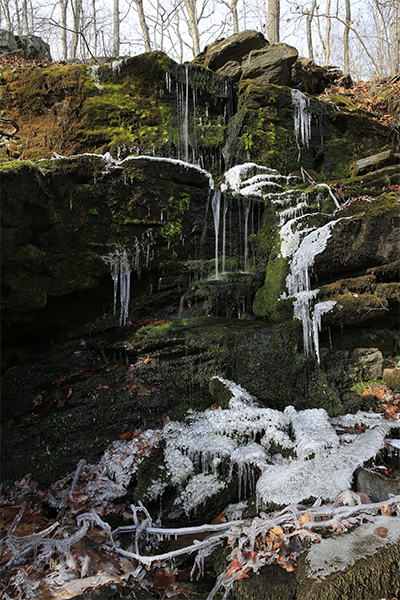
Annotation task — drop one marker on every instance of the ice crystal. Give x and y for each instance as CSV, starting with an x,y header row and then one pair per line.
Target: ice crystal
x,y
321,477
123,457
244,435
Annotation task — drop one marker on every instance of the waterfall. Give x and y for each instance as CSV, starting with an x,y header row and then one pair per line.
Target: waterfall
x,y
246,243
216,202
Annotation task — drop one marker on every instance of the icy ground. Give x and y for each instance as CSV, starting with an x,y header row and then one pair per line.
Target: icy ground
x,y
251,439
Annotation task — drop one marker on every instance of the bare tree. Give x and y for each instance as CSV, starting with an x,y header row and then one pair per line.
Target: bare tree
x,y
77,14
64,6
143,25
116,28
396,38
346,38
273,20
5,7
232,7
327,47
191,9
309,18
95,31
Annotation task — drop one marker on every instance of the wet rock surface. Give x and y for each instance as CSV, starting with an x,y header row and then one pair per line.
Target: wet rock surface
x,y
118,311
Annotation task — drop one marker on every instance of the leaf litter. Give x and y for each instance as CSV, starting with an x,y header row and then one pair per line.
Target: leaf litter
x,y
63,540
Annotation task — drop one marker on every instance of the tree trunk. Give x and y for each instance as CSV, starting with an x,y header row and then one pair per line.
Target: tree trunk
x,y
143,25
194,30
273,21
116,28
64,5
309,18
25,16
395,55
346,39
77,11
6,9
235,17
18,16
95,32
328,33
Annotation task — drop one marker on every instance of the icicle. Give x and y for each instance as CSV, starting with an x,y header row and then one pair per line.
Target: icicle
x,y
216,201
121,275
302,118
298,281
320,309
225,210
246,244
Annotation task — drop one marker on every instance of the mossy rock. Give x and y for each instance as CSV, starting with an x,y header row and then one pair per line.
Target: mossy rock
x,y
359,565
271,582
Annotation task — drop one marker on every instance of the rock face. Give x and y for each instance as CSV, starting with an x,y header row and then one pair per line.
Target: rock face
x,y
31,46
373,163
248,55
270,65
8,43
130,280
136,269
233,49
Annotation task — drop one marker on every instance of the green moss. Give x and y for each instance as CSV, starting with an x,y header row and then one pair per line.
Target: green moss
x,y
266,302
342,102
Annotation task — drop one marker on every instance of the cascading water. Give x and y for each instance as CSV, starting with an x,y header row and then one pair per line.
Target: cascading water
x,y
300,243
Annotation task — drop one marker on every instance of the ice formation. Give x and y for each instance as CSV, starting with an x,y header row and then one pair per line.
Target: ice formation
x,y
302,118
216,207
122,458
298,285
121,275
236,179
247,438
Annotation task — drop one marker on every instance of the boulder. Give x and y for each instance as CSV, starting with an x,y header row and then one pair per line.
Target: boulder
x,y
236,47
33,47
377,487
272,64
8,42
373,163
233,69
308,77
362,564
391,376
369,361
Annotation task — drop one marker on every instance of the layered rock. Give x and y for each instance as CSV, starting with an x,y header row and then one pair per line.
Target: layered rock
x,y
30,46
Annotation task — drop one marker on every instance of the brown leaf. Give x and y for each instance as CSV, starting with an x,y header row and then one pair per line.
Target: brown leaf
x,y
385,510
220,519
381,531
163,580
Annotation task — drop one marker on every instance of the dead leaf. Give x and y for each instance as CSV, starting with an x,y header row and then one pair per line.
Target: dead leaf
x,y
163,580
219,519
385,510
305,518
147,360
381,531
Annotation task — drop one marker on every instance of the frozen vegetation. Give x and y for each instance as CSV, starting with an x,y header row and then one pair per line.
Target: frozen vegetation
x,y
250,440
